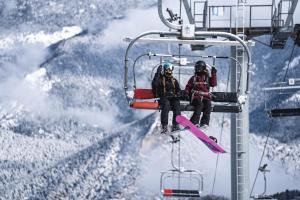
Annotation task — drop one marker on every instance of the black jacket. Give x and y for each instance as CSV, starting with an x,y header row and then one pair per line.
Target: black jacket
x,y
163,86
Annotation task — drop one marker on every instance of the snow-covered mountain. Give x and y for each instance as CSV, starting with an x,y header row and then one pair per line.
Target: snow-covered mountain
x,y
66,129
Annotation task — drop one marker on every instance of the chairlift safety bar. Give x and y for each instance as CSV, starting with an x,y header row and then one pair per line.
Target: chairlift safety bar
x,y
197,42
175,34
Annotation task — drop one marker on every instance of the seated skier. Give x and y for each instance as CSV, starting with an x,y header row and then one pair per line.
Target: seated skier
x,y
167,88
198,90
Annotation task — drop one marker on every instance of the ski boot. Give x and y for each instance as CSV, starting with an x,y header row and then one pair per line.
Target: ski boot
x,y
204,126
175,128
164,129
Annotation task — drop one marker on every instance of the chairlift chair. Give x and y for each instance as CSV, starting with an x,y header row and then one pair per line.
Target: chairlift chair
x,y
263,169
287,104
181,183
144,98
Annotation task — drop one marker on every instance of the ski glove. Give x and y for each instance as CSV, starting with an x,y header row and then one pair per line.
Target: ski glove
x,y
159,70
205,94
213,70
212,96
184,95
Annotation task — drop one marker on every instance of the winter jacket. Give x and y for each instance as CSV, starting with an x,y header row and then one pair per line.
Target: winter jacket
x,y
163,86
198,86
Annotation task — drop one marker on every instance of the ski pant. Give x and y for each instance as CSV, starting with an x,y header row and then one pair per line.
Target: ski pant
x,y
201,105
167,105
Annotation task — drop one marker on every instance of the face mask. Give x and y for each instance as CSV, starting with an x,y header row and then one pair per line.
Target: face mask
x,y
168,73
202,72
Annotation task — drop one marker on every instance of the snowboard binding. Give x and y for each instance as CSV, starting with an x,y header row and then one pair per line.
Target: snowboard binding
x,y
214,139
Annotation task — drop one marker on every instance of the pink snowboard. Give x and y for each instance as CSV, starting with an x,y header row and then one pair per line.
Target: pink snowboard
x,y
214,147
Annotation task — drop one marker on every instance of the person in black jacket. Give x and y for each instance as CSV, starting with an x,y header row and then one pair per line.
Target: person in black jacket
x,y
167,89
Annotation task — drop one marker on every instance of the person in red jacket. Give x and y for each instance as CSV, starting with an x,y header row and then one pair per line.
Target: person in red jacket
x,y
198,90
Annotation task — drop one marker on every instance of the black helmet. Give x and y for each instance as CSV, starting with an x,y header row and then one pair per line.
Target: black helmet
x,y
200,66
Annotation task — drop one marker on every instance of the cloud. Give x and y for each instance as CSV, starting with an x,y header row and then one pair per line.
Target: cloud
x,y
131,26
14,87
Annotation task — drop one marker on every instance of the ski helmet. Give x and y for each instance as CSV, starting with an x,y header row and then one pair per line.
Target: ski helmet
x,y
200,66
168,68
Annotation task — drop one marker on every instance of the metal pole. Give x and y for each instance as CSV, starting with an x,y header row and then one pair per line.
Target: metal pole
x,y
233,86
239,134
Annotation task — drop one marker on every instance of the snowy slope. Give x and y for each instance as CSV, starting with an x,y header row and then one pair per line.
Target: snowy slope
x,y
63,134
89,166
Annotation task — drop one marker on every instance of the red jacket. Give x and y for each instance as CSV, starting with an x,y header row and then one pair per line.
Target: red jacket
x,y
198,86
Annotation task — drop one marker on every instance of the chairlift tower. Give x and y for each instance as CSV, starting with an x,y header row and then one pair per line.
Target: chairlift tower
x,y
208,25
240,121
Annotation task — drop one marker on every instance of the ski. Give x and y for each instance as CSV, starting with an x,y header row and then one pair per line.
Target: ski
x,y
210,143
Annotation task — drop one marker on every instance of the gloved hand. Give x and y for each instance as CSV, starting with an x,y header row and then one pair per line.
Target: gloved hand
x,y
186,95
183,95
159,69
213,70
203,94
212,96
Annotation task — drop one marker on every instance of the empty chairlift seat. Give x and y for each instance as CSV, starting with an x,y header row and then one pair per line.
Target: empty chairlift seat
x,y
181,193
284,112
281,98
186,183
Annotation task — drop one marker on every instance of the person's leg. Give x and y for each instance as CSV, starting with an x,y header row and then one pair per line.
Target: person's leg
x,y
197,103
165,108
206,112
175,104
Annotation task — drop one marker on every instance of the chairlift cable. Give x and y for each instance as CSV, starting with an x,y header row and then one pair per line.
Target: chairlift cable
x,y
179,45
220,139
180,8
271,124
